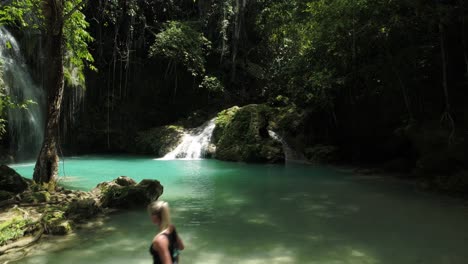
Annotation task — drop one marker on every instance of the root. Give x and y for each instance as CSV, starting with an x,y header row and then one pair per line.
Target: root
x,y
18,245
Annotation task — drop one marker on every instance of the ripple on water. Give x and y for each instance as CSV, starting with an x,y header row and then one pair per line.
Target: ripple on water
x,y
242,213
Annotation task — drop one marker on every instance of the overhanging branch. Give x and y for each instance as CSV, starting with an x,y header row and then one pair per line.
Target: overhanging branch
x,y
74,9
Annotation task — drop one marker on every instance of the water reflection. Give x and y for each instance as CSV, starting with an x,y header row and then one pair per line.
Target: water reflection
x,y
238,213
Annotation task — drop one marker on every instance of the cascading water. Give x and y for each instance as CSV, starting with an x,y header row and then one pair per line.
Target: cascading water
x,y
194,144
289,153
26,126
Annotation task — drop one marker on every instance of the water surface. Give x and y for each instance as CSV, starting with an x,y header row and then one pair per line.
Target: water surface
x,y
242,213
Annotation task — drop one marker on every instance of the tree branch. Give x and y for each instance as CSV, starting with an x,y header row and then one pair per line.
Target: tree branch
x,y
78,6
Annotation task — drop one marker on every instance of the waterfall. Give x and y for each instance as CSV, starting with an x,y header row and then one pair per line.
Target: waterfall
x,y
194,144
26,126
289,153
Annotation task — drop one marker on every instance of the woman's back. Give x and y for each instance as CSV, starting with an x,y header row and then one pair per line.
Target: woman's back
x,y
171,236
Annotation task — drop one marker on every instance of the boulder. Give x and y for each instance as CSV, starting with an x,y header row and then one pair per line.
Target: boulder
x,y
11,181
82,209
223,119
114,195
56,223
152,188
242,135
125,181
60,228
160,140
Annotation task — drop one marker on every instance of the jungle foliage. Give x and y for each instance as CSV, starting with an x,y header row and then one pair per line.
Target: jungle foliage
x,y
379,81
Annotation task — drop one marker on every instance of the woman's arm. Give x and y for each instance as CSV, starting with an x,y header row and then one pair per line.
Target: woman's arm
x,y
180,243
161,245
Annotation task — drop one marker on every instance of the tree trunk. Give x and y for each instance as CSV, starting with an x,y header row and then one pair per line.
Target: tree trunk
x,y
46,169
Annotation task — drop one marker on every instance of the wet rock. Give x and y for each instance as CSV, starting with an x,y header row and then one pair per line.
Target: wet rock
x,y
242,135
55,222
210,151
152,188
42,196
125,181
113,195
159,141
11,181
60,228
82,209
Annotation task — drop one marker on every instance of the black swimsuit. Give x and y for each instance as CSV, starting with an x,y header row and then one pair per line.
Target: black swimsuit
x,y
172,237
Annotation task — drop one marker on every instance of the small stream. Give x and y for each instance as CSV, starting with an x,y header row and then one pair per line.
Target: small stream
x,y
243,213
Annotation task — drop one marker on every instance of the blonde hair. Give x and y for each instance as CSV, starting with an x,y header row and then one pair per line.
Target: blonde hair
x,y
161,209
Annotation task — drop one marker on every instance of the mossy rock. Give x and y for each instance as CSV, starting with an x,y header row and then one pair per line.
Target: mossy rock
x,y
114,195
287,120
42,196
36,197
82,209
55,222
123,197
13,229
59,228
222,120
243,136
125,181
160,140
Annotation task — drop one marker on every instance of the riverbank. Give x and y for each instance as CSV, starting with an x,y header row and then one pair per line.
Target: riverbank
x,y
328,215
43,211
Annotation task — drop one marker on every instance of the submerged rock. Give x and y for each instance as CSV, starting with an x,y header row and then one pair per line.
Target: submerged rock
x,y
242,135
126,194
11,181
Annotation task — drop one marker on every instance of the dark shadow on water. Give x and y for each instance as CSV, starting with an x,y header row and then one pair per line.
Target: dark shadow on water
x,y
281,214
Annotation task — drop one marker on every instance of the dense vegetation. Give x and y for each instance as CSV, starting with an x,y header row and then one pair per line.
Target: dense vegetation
x,y
367,81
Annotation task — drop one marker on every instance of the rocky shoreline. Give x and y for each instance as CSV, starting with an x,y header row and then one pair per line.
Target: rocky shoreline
x,y
29,211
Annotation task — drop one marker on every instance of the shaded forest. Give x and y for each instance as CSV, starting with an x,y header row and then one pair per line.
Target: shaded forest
x,y
377,83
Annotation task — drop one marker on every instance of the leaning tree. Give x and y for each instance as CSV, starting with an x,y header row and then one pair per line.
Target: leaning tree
x,y
56,13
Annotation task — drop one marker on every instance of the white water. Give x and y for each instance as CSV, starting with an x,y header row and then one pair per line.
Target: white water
x,y
289,153
194,144
26,126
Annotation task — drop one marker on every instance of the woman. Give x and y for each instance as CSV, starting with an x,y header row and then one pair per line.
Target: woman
x,y
167,243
